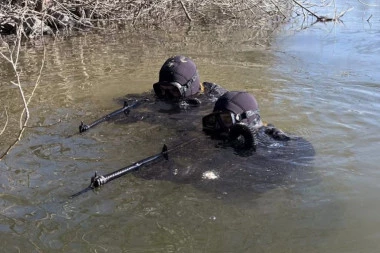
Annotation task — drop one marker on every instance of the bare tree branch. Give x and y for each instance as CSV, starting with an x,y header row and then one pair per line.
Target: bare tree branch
x,y
186,12
6,121
13,59
306,9
322,18
370,5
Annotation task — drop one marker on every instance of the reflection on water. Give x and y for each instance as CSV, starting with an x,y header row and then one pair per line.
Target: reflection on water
x,y
319,83
330,73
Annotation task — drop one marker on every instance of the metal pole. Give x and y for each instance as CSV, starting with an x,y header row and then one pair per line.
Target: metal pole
x,y
83,127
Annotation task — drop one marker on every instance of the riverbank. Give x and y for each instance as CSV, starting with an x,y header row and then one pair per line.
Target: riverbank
x,y
48,17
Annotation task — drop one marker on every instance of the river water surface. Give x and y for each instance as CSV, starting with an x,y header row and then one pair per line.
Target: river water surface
x,y
318,81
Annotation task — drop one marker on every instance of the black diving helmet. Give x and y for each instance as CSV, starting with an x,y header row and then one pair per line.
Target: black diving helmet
x,y
178,78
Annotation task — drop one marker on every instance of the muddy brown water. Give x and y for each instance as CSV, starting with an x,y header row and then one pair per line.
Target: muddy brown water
x,y
320,83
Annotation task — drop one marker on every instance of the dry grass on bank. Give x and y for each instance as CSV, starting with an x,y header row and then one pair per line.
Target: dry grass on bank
x,y
50,16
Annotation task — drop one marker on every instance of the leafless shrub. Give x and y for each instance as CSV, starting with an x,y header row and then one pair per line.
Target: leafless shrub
x,y
55,14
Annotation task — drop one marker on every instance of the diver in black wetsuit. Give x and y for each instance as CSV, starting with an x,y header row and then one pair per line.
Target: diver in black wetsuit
x,y
281,159
178,89
236,118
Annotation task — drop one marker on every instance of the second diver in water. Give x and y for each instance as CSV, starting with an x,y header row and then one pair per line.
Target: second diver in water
x,y
236,118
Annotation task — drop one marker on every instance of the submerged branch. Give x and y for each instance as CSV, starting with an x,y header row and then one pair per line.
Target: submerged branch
x,y
321,18
306,9
369,5
186,12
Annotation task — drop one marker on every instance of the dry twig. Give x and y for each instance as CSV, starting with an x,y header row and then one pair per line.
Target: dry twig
x,y
6,121
370,5
322,18
186,12
13,59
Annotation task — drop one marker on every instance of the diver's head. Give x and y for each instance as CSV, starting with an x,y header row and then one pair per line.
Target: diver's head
x,y
232,108
178,78
235,116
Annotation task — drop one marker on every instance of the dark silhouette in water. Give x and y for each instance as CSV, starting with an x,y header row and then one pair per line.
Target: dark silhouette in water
x,y
210,165
177,106
213,165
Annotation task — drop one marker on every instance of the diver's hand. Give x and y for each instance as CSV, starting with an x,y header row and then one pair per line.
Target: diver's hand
x,y
276,133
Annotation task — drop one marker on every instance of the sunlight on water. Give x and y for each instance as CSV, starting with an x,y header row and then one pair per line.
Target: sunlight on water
x,y
332,72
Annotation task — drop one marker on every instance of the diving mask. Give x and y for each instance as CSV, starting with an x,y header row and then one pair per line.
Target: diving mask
x,y
222,121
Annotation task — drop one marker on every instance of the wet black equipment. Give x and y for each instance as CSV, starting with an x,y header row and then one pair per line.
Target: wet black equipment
x,y
125,109
230,125
243,137
99,180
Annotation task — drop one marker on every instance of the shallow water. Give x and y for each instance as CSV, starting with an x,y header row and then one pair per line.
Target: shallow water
x,y
318,82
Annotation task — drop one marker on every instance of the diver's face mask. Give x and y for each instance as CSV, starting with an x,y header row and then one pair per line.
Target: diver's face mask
x,y
222,121
174,90
171,90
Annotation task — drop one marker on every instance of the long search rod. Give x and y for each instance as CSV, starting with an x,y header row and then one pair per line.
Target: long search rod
x,y
99,180
125,109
